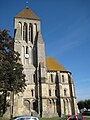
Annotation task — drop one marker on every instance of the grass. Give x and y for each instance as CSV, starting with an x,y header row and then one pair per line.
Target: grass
x,y
3,118
54,118
64,118
87,118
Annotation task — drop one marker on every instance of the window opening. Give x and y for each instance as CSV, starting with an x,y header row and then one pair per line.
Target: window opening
x,y
25,32
31,32
56,92
51,78
49,92
62,78
26,50
65,92
32,92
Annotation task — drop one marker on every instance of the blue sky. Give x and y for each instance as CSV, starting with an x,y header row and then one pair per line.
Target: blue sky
x,y
65,26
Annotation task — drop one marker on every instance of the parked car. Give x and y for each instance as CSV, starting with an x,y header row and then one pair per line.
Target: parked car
x,y
87,113
76,117
25,118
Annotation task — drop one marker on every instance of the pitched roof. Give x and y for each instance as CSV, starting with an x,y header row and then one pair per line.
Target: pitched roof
x,y
53,65
27,13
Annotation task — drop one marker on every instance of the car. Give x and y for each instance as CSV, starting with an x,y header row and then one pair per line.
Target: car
x,y
25,118
76,117
87,113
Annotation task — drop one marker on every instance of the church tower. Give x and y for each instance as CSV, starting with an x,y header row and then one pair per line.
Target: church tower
x,y
29,44
27,36
27,39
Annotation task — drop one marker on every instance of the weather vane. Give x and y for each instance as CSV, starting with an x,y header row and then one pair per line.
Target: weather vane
x,y
27,4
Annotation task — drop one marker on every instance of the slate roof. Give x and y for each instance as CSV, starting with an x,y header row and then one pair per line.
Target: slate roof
x,y
27,14
53,65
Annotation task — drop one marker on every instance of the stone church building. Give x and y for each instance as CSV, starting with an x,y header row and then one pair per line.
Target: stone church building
x,y
50,88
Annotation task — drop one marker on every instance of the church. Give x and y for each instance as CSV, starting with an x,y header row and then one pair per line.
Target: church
x,y
50,89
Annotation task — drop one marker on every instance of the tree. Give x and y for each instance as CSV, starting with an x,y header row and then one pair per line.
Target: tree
x,y
84,104
12,77
87,104
80,105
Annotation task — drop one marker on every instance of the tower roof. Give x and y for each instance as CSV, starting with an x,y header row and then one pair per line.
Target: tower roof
x,y
53,65
27,14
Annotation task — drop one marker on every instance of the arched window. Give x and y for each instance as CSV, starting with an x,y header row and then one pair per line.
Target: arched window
x,y
64,107
31,32
18,31
34,78
63,78
65,92
49,92
35,104
51,78
20,24
56,92
32,92
25,32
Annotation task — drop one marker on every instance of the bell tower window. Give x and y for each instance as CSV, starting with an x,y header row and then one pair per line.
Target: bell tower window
x,y
31,32
25,32
20,27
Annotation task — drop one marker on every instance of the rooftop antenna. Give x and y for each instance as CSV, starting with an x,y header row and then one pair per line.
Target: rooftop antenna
x,y
27,4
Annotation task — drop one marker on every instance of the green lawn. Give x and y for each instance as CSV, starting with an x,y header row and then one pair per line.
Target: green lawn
x,y
3,118
54,118
86,118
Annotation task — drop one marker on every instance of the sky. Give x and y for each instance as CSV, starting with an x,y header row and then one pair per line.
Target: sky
x,y
65,27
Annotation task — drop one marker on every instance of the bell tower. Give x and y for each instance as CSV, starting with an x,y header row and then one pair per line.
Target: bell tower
x,y
26,25
30,45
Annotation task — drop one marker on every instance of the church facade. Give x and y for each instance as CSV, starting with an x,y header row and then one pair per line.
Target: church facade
x,y
50,88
